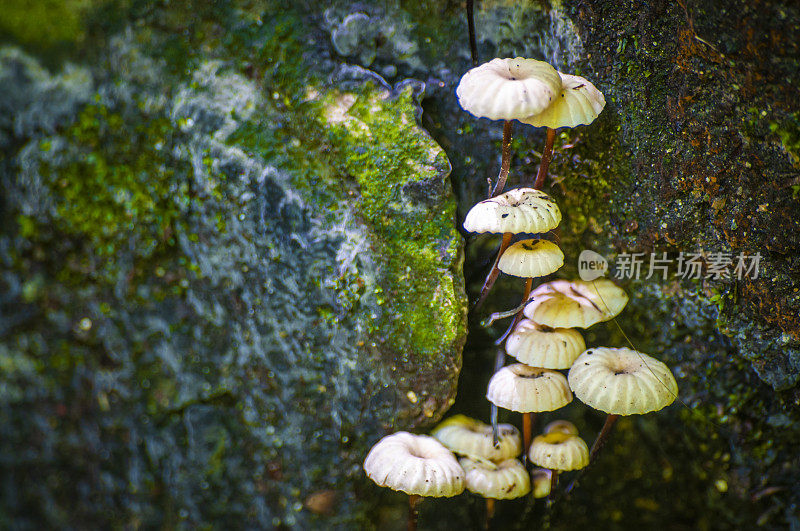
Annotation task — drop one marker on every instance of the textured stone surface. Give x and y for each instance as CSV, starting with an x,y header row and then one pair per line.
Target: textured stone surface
x,y
219,287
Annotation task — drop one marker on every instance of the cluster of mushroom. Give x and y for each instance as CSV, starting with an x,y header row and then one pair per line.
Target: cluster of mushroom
x,y
492,471
543,335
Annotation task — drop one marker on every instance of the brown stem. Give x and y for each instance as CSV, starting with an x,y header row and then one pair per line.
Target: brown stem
x,y
489,512
505,164
598,444
413,513
602,437
527,428
473,48
547,156
495,272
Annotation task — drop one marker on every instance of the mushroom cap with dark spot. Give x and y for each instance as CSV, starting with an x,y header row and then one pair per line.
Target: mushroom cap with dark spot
x,y
472,438
508,89
531,258
505,480
518,211
621,381
559,451
579,103
526,389
549,348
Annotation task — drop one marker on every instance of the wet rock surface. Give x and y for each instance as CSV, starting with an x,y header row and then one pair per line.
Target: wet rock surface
x,y
164,357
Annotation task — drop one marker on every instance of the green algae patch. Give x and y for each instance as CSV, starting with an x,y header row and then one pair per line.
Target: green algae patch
x,y
120,188
44,23
393,164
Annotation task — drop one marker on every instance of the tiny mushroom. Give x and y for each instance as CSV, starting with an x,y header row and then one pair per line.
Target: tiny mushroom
x,y
505,480
561,426
621,381
418,465
531,258
577,303
528,390
579,103
542,346
559,452
472,438
518,211
540,480
508,89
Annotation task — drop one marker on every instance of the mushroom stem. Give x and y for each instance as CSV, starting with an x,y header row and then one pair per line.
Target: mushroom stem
x,y
553,484
413,513
527,428
505,164
598,444
495,272
489,512
499,361
547,156
602,437
473,49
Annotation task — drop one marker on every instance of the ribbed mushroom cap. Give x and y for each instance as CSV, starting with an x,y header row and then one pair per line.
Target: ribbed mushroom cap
x,y
559,451
526,389
473,438
414,464
540,478
508,89
541,346
505,480
577,303
531,258
561,426
578,103
621,381
521,210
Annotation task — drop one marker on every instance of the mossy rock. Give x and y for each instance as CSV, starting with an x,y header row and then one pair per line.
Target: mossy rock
x,y
218,292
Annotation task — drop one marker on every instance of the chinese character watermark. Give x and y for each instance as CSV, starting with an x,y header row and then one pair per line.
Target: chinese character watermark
x,y
690,265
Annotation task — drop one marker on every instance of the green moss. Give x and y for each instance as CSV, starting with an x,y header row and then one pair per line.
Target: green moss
x,y
368,143
44,23
789,134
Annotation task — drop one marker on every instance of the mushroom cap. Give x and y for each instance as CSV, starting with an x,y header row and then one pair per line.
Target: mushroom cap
x,y
472,438
505,480
577,303
540,346
508,89
540,478
414,464
561,426
531,258
521,210
621,381
559,451
579,103
526,389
